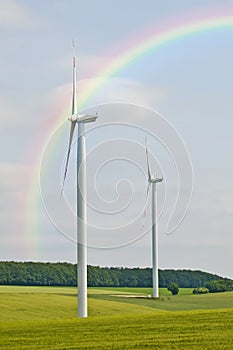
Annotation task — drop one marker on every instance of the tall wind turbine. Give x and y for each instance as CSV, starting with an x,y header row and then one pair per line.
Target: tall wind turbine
x,y
81,120
153,180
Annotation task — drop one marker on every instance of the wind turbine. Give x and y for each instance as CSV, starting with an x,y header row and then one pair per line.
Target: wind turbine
x,y
81,120
153,180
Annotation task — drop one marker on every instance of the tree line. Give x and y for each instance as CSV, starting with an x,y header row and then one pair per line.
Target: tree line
x,y
222,285
65,274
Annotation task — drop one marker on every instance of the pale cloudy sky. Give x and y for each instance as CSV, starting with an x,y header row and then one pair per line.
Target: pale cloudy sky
x,y
188,81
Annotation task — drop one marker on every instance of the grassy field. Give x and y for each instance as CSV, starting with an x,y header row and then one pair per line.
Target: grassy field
x,y
45,318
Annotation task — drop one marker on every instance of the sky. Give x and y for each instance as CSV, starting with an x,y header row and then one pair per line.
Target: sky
x,y
178,95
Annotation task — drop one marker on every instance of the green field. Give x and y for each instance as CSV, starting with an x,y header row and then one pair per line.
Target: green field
x,y
45,318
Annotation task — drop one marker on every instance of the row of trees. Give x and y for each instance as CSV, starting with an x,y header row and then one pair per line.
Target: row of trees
x,y
215,286
221,285
65,274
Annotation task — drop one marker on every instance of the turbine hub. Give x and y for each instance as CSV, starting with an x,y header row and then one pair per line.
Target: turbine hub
x,y
73,118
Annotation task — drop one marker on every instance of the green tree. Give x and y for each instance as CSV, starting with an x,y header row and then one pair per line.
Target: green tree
x,y
65,274
219,285
200,290
173,288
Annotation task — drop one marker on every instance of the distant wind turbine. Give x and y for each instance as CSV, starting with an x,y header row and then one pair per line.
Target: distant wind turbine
x,y
80,119
153,180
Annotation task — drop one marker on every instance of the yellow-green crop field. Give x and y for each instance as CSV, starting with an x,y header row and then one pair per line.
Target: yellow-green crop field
x,y
46,318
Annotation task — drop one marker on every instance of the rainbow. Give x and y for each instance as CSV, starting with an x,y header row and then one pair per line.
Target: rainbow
x,y
131,51
150,41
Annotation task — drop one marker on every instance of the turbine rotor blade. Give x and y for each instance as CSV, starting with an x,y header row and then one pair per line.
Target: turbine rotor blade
x,y
72,127
73,112
144,213
74,99
147,160
147,191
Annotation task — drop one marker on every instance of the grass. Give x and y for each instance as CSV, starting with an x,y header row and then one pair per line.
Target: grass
x,y
184,301
45,318
144,291
164,330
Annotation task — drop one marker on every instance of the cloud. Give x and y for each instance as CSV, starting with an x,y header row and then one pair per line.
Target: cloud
x,y
14,14
97,91
13,190
26,114
14,178
130,91
7,111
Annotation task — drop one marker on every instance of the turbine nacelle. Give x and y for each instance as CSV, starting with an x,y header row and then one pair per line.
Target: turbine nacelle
x,y
82,118
155,180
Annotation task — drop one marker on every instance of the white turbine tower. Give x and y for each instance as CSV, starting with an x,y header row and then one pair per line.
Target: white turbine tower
x,y
153,180
80,119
